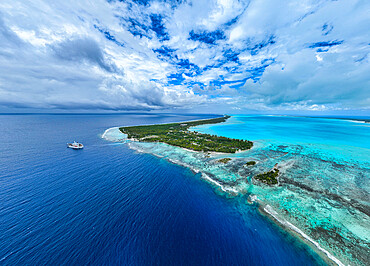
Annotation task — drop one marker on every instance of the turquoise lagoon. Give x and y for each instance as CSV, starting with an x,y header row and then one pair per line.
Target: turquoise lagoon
x,y
324,185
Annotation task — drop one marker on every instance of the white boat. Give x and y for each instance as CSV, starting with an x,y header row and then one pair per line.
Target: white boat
x,y
75,145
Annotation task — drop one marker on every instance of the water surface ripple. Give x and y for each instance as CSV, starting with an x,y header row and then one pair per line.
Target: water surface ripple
x,y
107,204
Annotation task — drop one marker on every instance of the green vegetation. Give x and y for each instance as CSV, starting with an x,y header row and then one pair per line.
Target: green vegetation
x,y
178,134
224,160
269,177
250,163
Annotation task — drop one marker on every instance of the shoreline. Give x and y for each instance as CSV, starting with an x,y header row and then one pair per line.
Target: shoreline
x,y
180,135
264,209
273,216
280,222
166,123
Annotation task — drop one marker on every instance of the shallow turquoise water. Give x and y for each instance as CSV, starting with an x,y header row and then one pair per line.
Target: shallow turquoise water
x,y
109,205
295,129
324,183
347,139
325,180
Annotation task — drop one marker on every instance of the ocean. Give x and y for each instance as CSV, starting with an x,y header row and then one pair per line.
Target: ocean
x,y
114,204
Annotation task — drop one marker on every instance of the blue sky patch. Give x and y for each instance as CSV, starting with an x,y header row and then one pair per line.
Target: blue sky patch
x,y
165,53
175,79
255,49
122,54
326,29
158,27
231,55
109,36
325,44
209,37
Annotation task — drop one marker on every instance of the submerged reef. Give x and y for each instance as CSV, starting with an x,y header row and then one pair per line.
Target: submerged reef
x,y
178,134
320,194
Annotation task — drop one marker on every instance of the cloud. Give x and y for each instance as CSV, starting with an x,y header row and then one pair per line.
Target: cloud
x,y
80,49
212,55
8,37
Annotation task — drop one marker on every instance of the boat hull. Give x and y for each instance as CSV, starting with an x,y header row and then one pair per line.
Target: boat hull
x,y
74,146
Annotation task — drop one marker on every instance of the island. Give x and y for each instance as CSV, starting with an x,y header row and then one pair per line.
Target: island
x,y
224,160
178,134
250,163
269,177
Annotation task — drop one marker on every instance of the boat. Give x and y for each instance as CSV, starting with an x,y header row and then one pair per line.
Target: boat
x,y
75,145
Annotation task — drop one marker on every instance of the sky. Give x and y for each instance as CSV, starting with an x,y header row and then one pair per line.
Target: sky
x,y
214,56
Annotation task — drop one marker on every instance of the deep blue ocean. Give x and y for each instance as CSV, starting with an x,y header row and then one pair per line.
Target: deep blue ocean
x,y
109,205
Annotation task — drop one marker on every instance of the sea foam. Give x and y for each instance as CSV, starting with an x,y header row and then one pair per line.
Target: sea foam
x,y
268,209
114,134
314,177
